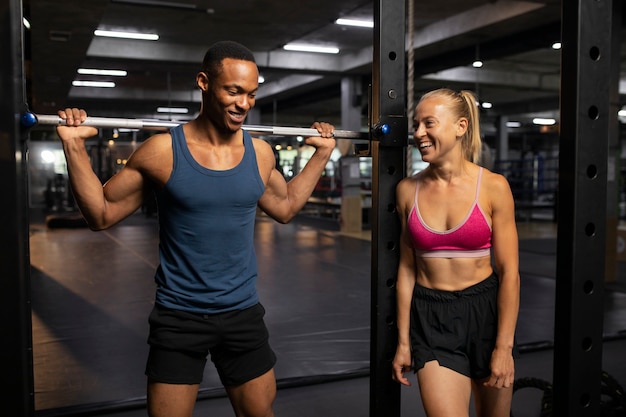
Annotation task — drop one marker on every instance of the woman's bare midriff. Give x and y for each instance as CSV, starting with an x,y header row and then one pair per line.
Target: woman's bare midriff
x,y
452,274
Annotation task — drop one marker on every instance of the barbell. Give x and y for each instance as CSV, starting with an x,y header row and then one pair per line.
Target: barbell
x,y
31,119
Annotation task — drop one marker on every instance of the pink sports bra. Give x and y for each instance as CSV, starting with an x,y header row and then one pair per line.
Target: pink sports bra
x,y
470,239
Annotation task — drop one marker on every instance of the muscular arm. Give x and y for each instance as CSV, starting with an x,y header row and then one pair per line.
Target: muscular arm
x,y
505,248
282,200
102,206
404,287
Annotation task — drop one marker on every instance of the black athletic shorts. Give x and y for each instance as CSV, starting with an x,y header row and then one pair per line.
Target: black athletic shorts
x,y
458,329
180,342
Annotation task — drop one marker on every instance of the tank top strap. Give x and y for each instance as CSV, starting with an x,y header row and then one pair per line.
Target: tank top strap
x,y
247,144
250,154
178,139
417,186
480,174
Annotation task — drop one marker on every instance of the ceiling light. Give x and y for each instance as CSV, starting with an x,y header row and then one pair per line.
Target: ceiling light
x,y
355,22
513,124
177,110
311,48
486,105
543,121
126,35
99,84
556,45
261,79
26,23
92,71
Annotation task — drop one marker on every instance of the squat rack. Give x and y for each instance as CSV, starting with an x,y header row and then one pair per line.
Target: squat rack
x,y
583,173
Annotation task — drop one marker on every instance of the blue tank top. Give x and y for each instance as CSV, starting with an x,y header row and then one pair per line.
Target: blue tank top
x,y
206,228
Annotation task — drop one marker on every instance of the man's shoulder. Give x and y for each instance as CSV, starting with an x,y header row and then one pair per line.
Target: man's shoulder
x,y
261,145
159,140
156,148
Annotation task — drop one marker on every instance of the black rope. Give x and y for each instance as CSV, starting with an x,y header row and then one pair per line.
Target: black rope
x,y
545,386
615,404
612,403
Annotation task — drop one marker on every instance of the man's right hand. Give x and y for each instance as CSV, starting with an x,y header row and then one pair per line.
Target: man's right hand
x,y
73,130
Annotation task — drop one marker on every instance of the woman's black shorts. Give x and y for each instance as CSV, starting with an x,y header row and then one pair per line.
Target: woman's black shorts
x,y
458,329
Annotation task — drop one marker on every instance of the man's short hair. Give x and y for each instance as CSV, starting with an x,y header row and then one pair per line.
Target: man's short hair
x,y
212,62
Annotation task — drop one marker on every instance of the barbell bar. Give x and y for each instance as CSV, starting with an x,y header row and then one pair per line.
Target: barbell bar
x,y
31,119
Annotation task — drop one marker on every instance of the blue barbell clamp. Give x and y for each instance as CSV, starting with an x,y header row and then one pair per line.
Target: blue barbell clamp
x,y
28,119
381,129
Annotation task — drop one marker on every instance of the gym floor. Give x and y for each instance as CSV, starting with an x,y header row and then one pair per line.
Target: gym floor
x,y
92,293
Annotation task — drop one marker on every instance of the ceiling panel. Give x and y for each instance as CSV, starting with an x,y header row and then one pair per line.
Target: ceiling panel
x,y
513,38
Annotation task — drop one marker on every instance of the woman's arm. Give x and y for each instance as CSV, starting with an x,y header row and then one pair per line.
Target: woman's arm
x,y
404,285
506,258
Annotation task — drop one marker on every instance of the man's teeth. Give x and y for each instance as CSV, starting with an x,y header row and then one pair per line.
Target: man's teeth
x,y
425,145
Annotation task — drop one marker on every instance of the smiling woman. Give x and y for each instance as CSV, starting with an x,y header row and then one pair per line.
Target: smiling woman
x,y
453,214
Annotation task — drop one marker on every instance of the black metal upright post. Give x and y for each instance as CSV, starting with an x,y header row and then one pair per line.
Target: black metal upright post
x,y
388,168
16,377
581,241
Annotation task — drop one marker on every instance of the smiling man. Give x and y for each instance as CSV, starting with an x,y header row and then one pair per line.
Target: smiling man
x,y
208,176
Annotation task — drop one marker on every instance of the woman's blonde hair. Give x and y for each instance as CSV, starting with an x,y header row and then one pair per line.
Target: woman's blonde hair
x,y
463,104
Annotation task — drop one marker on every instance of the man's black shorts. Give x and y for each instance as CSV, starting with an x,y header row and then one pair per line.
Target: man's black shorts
x,y
180,342
458,328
